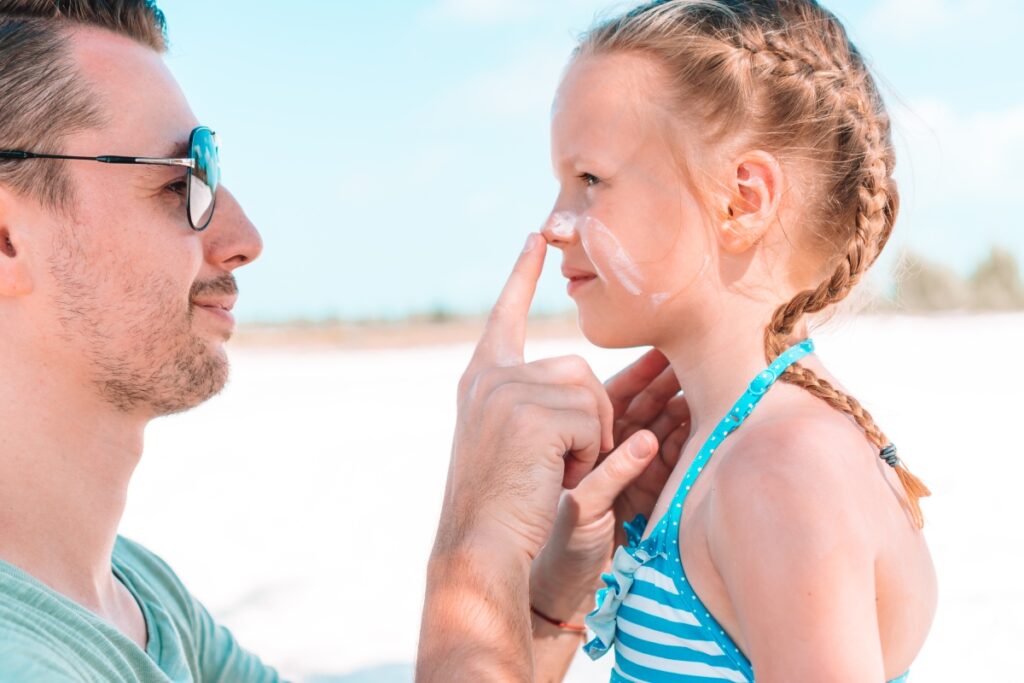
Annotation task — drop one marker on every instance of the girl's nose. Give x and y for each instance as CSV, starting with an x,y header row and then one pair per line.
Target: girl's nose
x,y
560,230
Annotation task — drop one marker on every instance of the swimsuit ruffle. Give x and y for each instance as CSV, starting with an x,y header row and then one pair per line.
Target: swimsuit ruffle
x,y
625,563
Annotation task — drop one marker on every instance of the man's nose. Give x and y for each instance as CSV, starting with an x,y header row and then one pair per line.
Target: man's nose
x,y
231,240
561,229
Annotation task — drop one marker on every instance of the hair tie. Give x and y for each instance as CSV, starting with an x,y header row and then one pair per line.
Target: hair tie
x,y
888,454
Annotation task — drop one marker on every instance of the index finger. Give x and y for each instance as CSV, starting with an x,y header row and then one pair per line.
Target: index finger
x,y
624,386
504,334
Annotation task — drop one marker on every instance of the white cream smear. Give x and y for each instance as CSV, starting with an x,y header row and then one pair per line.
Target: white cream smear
x,y
597,240
611,261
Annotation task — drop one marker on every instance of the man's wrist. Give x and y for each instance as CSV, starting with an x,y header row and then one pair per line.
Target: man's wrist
x,y
481,547
476,614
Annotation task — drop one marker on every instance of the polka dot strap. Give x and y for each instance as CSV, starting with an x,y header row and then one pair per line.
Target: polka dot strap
x,y
740,410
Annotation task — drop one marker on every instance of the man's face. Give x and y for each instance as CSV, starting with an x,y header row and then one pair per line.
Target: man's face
x,y
127,297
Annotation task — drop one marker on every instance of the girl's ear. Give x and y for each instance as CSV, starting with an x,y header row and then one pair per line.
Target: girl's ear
x,y
15,273
754,196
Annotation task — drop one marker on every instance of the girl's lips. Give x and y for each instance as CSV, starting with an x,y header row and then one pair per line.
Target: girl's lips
x,y
575,283
571,273
577,278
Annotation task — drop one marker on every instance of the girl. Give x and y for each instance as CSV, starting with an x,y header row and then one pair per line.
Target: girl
x,y
726,172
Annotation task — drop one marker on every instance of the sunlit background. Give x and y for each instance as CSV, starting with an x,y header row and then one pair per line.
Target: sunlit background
x,y
394,156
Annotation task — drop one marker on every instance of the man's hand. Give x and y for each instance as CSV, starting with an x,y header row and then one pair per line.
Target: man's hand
x,y
646,400
524,431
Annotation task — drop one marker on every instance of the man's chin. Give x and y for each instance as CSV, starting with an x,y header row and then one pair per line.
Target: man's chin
x,y
186,402
216,343
201,376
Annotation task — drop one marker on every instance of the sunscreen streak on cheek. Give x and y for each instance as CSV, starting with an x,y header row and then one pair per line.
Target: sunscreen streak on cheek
x,y
610,259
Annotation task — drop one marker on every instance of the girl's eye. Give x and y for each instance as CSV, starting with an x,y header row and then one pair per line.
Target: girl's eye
x,y
589,179
179,188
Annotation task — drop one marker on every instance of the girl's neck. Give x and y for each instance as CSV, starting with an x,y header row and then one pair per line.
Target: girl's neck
x,y
715,364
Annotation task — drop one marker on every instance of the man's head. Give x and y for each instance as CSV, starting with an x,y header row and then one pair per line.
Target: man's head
x,y
101,277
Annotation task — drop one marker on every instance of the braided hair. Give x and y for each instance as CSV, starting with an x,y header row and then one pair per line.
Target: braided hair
x,y
784,76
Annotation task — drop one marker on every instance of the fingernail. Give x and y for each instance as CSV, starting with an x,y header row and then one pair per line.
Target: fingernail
x,y
640,446
531,242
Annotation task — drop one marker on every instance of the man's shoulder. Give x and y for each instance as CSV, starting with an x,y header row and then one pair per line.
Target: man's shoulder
x,y
139,558
20,663
153,579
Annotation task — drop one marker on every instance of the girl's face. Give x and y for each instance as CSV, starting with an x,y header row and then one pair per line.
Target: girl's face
x,y
634,238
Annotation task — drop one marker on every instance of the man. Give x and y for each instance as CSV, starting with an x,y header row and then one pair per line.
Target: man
x,y
117,252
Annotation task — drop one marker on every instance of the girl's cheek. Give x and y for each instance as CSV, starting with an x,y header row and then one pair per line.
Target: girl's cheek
x,y
651,282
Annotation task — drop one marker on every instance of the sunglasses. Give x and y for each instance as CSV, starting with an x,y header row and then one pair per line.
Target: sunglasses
x,y
203,164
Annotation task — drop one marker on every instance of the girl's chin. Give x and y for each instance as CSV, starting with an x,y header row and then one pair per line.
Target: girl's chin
x,y
606,330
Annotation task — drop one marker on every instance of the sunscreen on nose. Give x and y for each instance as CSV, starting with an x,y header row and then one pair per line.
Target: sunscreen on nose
x,y
563,225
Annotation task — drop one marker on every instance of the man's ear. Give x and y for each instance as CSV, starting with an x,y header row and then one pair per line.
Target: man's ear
x,y
15,273
754,195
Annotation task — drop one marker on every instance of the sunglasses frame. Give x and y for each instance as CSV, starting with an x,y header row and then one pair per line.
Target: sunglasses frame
x,y
191,163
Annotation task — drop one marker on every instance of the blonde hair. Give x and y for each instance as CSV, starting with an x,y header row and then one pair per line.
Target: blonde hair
x,y
786,76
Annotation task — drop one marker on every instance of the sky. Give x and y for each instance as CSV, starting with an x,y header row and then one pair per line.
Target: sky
x,y
394,155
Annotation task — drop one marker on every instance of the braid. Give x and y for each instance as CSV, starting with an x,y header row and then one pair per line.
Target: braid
x,y
877,207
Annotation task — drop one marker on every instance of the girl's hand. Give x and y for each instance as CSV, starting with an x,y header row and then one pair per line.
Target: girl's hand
x,y
646,403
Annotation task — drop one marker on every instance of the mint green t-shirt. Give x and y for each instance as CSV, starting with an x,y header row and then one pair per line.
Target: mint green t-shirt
x,y
48,638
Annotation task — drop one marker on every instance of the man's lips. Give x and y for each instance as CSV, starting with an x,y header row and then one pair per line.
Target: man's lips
x,y
223,303
220,307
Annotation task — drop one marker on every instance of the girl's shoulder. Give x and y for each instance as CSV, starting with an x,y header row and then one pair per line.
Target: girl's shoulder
x,y
801,464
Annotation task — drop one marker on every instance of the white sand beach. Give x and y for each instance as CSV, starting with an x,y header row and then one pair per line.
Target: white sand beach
x,y
300,504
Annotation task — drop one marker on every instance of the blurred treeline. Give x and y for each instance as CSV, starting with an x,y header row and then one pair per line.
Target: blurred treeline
x,y
923,285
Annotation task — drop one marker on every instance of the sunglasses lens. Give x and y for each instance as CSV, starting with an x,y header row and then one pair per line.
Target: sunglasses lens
x,y
204,178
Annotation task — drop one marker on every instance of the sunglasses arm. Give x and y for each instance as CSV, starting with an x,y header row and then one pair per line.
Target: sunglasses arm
x,y
187,163
108,159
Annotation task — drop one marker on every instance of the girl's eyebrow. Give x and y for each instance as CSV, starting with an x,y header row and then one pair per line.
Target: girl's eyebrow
x,y
575,160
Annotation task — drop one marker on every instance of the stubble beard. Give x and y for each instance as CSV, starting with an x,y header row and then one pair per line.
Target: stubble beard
x,y
171,370
144,355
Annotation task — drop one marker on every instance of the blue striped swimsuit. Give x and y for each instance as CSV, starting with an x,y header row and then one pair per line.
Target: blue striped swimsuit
x,y
661,630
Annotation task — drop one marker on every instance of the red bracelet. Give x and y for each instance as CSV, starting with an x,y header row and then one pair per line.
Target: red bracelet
x,y
575,628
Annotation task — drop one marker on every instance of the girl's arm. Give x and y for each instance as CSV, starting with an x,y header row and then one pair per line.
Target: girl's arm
x,y
794,546
553,650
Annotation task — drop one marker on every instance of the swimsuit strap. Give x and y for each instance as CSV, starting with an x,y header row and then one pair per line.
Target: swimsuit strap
x,y
740,410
